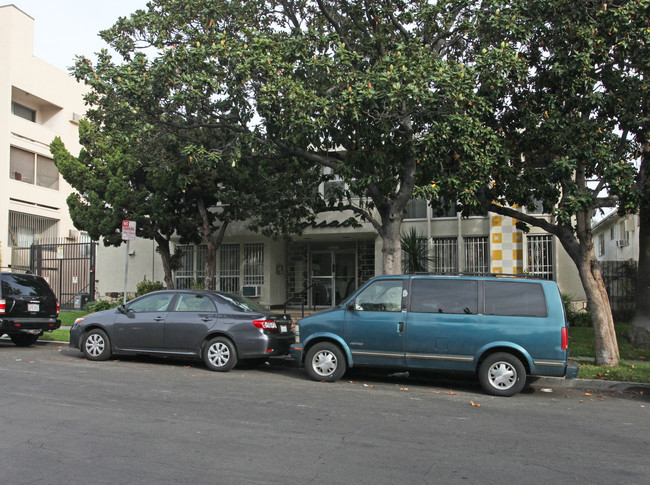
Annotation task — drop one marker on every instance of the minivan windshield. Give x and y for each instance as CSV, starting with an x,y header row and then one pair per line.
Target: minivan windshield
x,y
24,285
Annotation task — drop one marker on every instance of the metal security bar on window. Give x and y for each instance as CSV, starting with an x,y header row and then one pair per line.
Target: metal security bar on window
x,y
24,229
254,264
476,255
229,268
445,254
540,256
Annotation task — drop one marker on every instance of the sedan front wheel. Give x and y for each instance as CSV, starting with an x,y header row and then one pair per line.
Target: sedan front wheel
x,y
95,345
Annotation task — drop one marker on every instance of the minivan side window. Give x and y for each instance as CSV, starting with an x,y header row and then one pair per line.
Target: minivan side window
x,y
381,296
444,296
514,299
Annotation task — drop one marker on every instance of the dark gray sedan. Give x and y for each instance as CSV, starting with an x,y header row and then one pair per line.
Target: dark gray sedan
x,y
219,328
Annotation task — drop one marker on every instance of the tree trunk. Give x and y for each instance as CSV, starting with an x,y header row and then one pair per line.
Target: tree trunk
x,y
392,247
639,334
212,242
166,257
605,344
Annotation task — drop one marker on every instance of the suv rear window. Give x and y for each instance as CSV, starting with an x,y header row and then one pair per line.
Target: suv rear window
x,y
514,299
24,285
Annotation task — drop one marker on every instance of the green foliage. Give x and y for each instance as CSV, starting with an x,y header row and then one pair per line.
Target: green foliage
x,y
575,317
101,305
146,286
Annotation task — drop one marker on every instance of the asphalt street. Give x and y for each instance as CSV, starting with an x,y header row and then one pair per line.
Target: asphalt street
x,y
141,420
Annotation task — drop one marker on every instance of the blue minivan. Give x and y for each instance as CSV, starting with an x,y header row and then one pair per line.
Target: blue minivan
x,y
501,329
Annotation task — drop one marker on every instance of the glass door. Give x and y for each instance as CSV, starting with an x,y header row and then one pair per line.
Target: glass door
x,y
332,277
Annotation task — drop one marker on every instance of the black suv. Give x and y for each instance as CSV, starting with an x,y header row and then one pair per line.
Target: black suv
x,y
28,307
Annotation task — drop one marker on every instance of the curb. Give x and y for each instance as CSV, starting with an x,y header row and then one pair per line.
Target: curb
x,y
586,384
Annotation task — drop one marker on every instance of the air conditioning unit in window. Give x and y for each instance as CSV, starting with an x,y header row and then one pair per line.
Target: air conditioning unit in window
x,y
252,291
621,243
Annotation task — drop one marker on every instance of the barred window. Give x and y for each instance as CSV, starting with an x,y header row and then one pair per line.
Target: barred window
x,y
229,268
476,255
25,229
444,252
254,264
540,256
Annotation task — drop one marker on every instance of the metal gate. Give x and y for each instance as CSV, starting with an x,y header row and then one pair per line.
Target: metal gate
x,y
68,267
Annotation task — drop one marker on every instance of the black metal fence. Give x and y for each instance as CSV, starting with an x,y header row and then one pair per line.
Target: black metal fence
x,y
69,268
620,280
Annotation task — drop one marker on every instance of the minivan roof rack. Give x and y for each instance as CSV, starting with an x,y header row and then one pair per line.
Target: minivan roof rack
x,y
463,273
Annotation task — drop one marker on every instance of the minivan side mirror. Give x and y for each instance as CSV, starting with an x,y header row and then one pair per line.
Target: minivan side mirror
x,y
350,306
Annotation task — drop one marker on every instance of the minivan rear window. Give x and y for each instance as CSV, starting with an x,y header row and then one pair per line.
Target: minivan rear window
x,y
444,296
24,285
514,299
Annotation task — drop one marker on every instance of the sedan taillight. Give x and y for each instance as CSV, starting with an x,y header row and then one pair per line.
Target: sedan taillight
x,y
265,324
3,305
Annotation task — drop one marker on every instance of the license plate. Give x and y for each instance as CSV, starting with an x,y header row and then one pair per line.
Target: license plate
x,y
32,307
283,329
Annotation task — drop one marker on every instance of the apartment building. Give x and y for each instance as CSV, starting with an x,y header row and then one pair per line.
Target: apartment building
x,y
37,103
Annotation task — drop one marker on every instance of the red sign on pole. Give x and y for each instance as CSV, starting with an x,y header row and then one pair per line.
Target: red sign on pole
x,y
128,230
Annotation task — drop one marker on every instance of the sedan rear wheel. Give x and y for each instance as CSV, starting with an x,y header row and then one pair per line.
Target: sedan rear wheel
x,y
95,345
325,362
219,354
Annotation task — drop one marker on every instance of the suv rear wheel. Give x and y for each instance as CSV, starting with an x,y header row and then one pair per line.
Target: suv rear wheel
x,y
24,339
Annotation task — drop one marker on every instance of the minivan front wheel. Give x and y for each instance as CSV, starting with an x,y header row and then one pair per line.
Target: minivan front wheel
x,y
502,374
325,362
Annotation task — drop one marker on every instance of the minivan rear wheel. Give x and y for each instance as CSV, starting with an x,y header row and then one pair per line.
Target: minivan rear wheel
x,y
325,362
502,374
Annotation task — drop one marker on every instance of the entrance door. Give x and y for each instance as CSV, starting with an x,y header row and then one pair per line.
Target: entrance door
x,y
332,277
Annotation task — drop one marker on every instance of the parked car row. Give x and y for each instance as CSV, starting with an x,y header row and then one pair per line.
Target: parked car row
x,y
499,329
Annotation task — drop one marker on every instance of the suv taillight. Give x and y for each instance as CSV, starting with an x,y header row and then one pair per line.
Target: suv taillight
x,y
58,308
3,305
565,338
265,324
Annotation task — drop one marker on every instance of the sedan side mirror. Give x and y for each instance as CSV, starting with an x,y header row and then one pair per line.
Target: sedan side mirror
x,y
350,306
121,309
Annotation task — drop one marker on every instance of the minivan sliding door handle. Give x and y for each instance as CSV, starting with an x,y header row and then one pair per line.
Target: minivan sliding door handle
x,y
400,327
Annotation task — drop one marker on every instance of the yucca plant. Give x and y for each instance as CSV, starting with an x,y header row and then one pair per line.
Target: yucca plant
x,y
416,254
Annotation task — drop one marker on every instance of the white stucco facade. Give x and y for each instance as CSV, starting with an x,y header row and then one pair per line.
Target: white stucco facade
x,y
37,103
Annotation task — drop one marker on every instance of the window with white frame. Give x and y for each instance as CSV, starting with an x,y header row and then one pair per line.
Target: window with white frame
x,y
254,264
32,168
612,233
601,244
540,256
444,252
476,255
23,112
416,209
229,268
